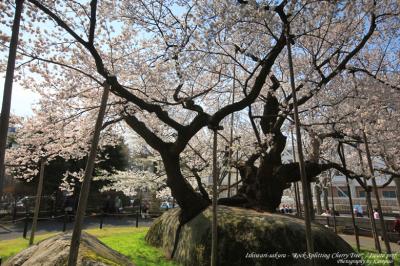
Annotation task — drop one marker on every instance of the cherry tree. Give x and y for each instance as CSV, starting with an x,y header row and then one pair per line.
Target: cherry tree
x,y
172,66
47,136
371,107
325,57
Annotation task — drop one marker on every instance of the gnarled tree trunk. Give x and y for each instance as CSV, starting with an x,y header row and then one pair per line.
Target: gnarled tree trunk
x,y
191,202
263,185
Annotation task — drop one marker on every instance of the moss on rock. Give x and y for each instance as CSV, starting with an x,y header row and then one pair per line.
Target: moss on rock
x,y
54,251
245,234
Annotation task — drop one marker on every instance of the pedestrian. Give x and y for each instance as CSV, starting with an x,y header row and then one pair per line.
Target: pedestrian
x,y
358,211
327,212
145,210
68,207
118,204
376,214
286,208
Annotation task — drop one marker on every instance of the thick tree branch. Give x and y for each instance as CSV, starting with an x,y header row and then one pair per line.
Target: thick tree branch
x,y
368,73
116,87
58,20
290,172
200,185
142,130
259,82
93,9
187,132
342,65
325,79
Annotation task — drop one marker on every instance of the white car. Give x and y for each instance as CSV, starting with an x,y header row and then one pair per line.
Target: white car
x,y
165,206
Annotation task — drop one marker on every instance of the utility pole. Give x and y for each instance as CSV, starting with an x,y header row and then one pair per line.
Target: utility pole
x,y
7,92
85,188
378,202
304,182
37,201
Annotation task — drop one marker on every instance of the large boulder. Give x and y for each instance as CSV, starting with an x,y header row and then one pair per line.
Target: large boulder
x,y
54,252
248,237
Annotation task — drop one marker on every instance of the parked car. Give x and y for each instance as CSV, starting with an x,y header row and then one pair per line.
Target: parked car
x,y
165,206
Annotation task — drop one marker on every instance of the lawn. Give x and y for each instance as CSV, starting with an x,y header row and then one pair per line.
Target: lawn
x,y
127,240
130,242
372,257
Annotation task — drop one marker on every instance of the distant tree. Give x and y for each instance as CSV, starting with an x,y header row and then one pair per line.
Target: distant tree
x,y
39,137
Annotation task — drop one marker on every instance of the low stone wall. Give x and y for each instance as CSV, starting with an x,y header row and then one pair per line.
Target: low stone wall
x,y
345,224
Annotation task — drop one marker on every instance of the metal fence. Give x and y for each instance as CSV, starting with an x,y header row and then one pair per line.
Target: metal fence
x,y
67,217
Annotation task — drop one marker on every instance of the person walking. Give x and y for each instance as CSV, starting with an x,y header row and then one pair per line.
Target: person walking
x,y
118,204
145,210
376,214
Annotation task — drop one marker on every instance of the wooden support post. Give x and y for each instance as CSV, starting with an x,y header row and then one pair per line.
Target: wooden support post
x,y
378,202
353,219
26,221
311,201
297,198
65,220
137,218
370,208
231,133
85,188
296,185
7,92
101,220
37,201
214,229
14,210
333,203
397,183
304,182
140,203
237,173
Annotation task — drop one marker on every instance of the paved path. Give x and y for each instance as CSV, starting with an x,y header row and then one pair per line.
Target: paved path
x,y
368,243
54,226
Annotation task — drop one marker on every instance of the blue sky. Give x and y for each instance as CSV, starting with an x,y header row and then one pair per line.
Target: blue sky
x,y
22,99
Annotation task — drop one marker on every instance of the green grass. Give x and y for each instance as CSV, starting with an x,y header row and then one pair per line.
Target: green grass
x,y
130,242
126,240
372,257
